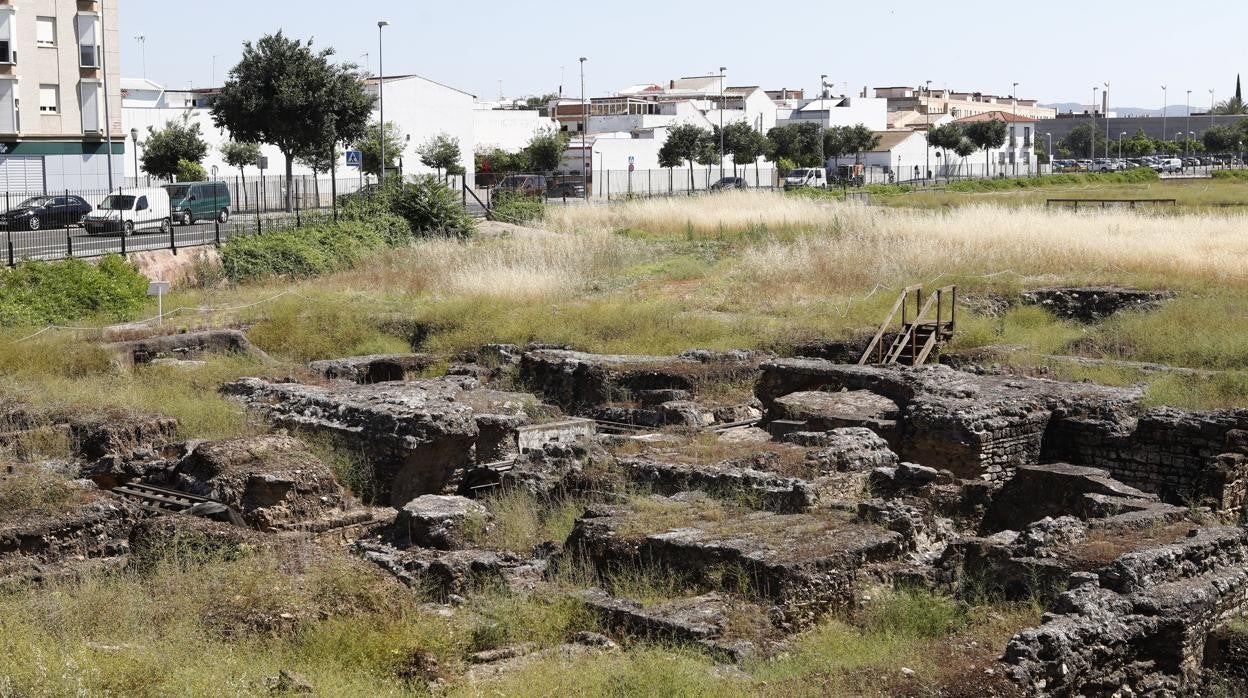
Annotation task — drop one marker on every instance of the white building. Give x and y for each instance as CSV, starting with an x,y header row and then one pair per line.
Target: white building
x,y
53,102
837,111
420,107
1016,156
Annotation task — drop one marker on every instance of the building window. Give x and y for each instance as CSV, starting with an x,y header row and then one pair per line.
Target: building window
x,y
88,41
49,99
8,106
45,31
89,99
7,54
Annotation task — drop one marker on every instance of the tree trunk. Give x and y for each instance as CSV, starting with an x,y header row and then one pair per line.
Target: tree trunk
x,y
333,181
691,174
290,177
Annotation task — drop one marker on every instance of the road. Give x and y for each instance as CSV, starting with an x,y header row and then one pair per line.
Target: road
x,y
74,241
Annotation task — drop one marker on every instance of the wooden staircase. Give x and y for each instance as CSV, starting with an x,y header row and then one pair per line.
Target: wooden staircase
x,y
921,334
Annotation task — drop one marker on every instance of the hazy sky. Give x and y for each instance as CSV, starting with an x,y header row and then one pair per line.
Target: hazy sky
x,y
1057,53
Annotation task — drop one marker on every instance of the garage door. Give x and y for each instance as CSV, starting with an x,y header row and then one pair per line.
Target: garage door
x,y
21,175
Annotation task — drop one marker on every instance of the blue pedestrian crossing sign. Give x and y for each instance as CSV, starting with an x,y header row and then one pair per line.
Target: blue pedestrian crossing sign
x,y
354,158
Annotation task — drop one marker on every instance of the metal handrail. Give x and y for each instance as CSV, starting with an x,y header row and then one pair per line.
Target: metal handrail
x,y
898,305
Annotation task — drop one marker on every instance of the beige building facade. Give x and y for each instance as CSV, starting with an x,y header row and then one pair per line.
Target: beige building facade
x,y
53,116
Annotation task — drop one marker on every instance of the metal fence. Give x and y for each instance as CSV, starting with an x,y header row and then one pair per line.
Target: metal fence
x,y
268,193
48,226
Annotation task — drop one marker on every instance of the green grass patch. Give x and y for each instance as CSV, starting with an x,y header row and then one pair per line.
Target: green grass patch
x,y
40,293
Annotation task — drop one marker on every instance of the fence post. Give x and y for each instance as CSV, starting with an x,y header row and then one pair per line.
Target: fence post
x,y
258,228
69,243
216,238
9,233
123,237
173,243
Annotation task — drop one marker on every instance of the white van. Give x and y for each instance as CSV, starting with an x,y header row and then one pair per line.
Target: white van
x,y
130,211
1168,165
805,177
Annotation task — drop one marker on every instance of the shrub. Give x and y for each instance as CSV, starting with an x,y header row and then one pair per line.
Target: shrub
x,y
515,208
300,252
431,208
53,292
191,171
1230,174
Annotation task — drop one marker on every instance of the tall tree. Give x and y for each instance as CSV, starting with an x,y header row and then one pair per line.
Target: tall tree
x,y
1083,140
946,137
441,152
964,149
685,141
798,142
165,149
749,146
370,147
240,154
861,139
737,135
987,135
1221,138
837,143
283,93
545,150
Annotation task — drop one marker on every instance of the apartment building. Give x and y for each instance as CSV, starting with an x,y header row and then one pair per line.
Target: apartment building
x,y
939,102
52,95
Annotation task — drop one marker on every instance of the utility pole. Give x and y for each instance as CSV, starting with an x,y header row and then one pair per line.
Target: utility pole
x,y
927,133
1165,104
381,91
108,121
1013,139
721,122
823,93
1105,109
1092,139
1187,125
584,128
143,50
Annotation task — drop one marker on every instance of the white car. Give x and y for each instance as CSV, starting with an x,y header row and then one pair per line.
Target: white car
x,y
131,211
806,177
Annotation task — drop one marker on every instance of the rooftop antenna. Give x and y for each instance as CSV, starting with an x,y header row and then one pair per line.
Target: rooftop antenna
x,y
143,49
367,70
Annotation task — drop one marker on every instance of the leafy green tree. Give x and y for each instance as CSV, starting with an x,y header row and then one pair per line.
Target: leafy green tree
x,y
987,135
165,149
748,146
684,143
441,152
737,139
861,139
240,154
946,137
190,171
370,147
708,152
837,143
1083,141
283,93
318,159
545,150
1221,138
798,142
964,149
535,101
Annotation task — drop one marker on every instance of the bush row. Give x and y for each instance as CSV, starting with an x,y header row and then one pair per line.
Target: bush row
x,y
1230,174
40,293
394,216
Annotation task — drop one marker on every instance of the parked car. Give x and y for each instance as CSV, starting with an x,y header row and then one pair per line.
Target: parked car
x,y
130,212
805,177
192,201
1191,162
1168,165
45,212
568,188
524,184
727,183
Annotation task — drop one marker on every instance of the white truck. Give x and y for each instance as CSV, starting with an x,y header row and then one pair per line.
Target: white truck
x,y
806,177
130,211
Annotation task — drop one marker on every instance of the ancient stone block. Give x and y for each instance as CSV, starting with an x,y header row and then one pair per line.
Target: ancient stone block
x,y
1093,303
375,368
439,521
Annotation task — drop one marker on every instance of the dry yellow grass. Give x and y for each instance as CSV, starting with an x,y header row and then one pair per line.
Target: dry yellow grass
x,y
851,246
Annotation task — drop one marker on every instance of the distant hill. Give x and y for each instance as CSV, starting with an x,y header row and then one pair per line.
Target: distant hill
x,y
1079,107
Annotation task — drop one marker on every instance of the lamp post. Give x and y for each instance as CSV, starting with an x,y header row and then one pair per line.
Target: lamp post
x,y
1105,109
381,101
1188,123
142,40
721,123
1165,108
108,121
584,128
1213,105
1013,138
927,117
1049,138
1191,142
823,158
1120,137
134,136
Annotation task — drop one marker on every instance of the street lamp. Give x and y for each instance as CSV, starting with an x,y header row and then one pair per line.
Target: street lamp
x,y
1106,110
142,40
1165,108
1049,138
1188,124
1120,137
1213,105
134,136
721,123
381,93
927,118
584,128
823,93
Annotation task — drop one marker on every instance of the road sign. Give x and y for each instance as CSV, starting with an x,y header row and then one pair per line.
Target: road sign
x,y
630,159
262,162
630,167
354,158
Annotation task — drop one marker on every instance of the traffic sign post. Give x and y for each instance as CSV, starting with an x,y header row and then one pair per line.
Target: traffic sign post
x,y
354,158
